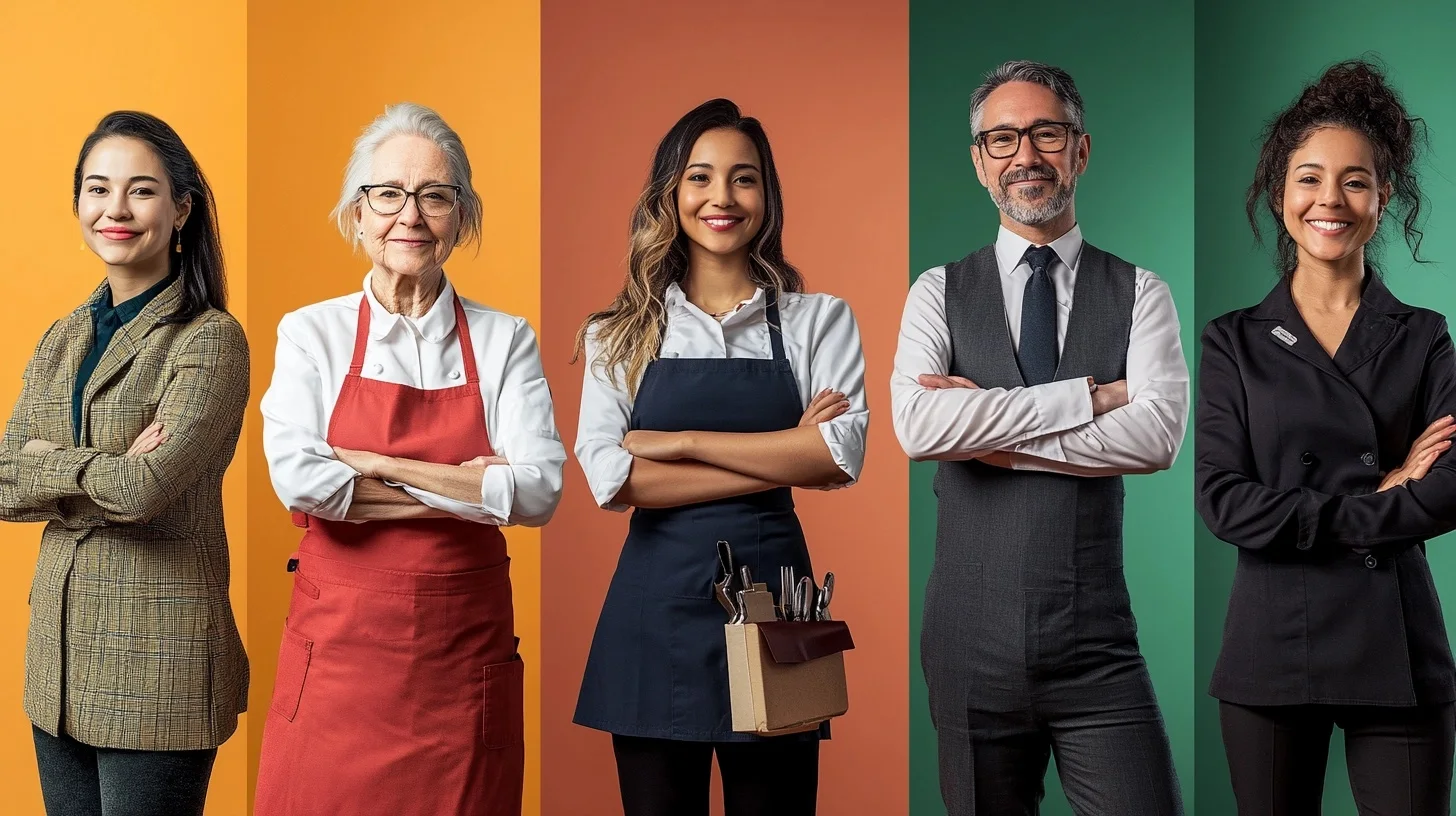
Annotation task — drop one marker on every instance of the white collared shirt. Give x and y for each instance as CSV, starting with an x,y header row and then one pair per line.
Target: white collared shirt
x,y
821,340
315,346
1052,422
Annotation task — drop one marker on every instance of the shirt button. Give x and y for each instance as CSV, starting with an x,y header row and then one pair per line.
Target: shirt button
x,y
1368,458
1371,562
455,375
377,368
1306,458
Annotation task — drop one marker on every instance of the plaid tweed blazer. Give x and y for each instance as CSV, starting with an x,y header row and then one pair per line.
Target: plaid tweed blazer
x,y
132,640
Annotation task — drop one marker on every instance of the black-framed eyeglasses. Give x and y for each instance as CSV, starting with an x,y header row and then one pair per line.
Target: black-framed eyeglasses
x,y
1046,137
434,200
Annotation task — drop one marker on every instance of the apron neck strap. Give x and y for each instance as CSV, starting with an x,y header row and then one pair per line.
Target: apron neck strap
x,y
775,326
462,331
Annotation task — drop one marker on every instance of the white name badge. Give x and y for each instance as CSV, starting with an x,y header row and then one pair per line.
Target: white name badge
x,y
1288,338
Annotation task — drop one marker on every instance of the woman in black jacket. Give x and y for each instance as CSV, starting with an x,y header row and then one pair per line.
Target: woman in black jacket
x,y
1324,417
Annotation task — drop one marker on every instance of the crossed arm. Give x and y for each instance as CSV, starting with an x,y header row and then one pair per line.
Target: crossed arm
x,y
1129,426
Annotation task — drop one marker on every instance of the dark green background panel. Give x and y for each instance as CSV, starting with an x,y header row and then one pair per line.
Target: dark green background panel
x,y
1253,59
1133,62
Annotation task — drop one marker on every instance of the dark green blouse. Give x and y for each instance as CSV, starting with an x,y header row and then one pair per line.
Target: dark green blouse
x,y
106,318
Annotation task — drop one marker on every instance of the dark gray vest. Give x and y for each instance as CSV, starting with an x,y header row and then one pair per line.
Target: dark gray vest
x,y
1027,580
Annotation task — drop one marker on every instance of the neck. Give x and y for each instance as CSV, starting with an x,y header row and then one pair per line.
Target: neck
x,y
1328,285
1043,234
717,283
127,282
409,295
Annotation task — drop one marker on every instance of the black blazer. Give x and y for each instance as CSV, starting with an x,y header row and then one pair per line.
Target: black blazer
x,y
1333,600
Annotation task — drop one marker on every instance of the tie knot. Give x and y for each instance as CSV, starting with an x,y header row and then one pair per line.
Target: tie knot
x,y
1039,258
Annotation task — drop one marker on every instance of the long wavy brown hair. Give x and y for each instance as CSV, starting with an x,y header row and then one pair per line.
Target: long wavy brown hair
x,y
629,332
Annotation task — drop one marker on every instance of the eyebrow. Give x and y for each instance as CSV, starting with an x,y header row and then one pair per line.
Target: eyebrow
x,y
423,184
95,177
744,166
1008,126
1354,168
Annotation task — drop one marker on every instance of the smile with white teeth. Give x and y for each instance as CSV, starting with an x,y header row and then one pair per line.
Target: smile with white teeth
x,y
1330,225
721,222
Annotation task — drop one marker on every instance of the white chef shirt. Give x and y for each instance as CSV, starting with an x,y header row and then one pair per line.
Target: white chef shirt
x,y
315,346
821,340
1054,421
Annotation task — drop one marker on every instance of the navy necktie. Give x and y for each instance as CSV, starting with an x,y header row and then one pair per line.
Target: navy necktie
x,y
1037,352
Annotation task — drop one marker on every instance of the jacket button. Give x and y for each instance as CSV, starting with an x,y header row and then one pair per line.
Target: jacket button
x,y
1371,562
1306,458
1368,458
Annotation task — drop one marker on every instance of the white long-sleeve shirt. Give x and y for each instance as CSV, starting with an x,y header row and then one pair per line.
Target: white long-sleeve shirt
x,y
315,345
821,340
1043,427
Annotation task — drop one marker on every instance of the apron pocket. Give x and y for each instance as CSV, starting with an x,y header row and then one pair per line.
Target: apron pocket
x,y
502,717
294,655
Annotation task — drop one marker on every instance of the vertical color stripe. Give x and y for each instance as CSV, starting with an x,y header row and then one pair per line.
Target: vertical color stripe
x,y
829,84
320,73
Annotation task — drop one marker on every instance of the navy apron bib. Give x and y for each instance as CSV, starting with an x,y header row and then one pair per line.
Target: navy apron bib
x,y
658,666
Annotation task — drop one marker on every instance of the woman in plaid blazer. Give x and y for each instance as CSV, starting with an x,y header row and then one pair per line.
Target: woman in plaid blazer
x,y
127,419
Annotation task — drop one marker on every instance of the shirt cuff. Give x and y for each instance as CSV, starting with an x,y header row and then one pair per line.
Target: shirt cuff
x,y
1061,406
846,446
498,492
610,472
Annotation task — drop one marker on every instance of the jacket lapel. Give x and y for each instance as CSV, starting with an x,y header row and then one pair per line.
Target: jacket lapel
x,y
1373,326
126,342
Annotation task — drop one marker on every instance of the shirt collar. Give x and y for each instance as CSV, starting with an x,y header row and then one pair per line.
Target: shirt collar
x,y
127,310
434,325
1010,247
676,299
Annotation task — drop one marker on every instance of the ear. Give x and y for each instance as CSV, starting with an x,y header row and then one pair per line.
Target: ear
x,y
977,160
184,209
1386,190
1084,152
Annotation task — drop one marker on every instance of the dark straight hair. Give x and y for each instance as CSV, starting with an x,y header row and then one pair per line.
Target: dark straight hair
x,y
200,264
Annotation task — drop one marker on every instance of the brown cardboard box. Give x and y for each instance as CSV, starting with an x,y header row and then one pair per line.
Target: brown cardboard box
x,y
786,677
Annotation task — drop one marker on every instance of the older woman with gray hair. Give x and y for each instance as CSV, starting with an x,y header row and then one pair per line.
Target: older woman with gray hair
x,y
403,428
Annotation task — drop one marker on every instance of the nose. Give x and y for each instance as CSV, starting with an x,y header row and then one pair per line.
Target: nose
x,y
118,207
1331,194
1026,154
410,214
722,193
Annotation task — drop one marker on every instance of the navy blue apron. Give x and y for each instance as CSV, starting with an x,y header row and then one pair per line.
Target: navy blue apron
x,y
658,666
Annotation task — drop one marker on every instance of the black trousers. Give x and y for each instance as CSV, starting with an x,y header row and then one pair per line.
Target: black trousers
x,y
1399,758
1111,763
662,777
79,780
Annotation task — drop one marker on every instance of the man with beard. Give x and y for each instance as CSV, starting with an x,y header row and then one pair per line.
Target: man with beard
x,y
1038,371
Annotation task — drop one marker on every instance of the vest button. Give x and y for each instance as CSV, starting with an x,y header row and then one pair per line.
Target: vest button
x,y
1368,458
1371,562
1306,458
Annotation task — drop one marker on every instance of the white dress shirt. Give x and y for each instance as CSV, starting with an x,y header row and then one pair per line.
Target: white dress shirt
x,y
315,345
1043,427
821,340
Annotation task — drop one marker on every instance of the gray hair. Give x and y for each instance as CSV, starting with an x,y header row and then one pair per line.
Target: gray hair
x,y
1049,76
407,118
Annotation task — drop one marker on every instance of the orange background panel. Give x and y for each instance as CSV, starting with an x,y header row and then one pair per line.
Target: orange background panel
x,y
830,83
319,73
69,64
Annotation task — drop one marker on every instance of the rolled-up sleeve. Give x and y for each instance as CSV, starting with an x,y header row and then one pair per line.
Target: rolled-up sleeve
x,y
837,362
527,490
606,415
301,464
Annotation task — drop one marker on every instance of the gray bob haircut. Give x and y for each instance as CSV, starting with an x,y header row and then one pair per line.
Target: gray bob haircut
x,y
1050,76
407,119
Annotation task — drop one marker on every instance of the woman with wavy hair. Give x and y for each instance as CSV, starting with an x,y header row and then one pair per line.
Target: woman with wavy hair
x,y
128,418
713,386
1324,420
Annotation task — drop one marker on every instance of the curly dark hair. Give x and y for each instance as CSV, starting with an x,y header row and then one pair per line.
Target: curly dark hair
x,y
1354,95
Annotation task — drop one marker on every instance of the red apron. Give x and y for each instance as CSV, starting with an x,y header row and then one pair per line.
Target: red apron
x,y
399,690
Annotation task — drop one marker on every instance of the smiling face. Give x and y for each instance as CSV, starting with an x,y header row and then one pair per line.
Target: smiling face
x,y
125,206
408,242
720,197
1332,200
1030,187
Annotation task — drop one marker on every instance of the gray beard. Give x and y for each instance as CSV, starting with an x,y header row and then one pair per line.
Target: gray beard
x,y
1038,210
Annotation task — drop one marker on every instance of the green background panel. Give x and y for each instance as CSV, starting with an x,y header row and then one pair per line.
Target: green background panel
x,y
1133,62
1253,59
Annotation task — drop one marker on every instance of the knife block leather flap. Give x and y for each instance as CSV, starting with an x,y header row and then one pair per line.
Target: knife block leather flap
x,y
801,641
